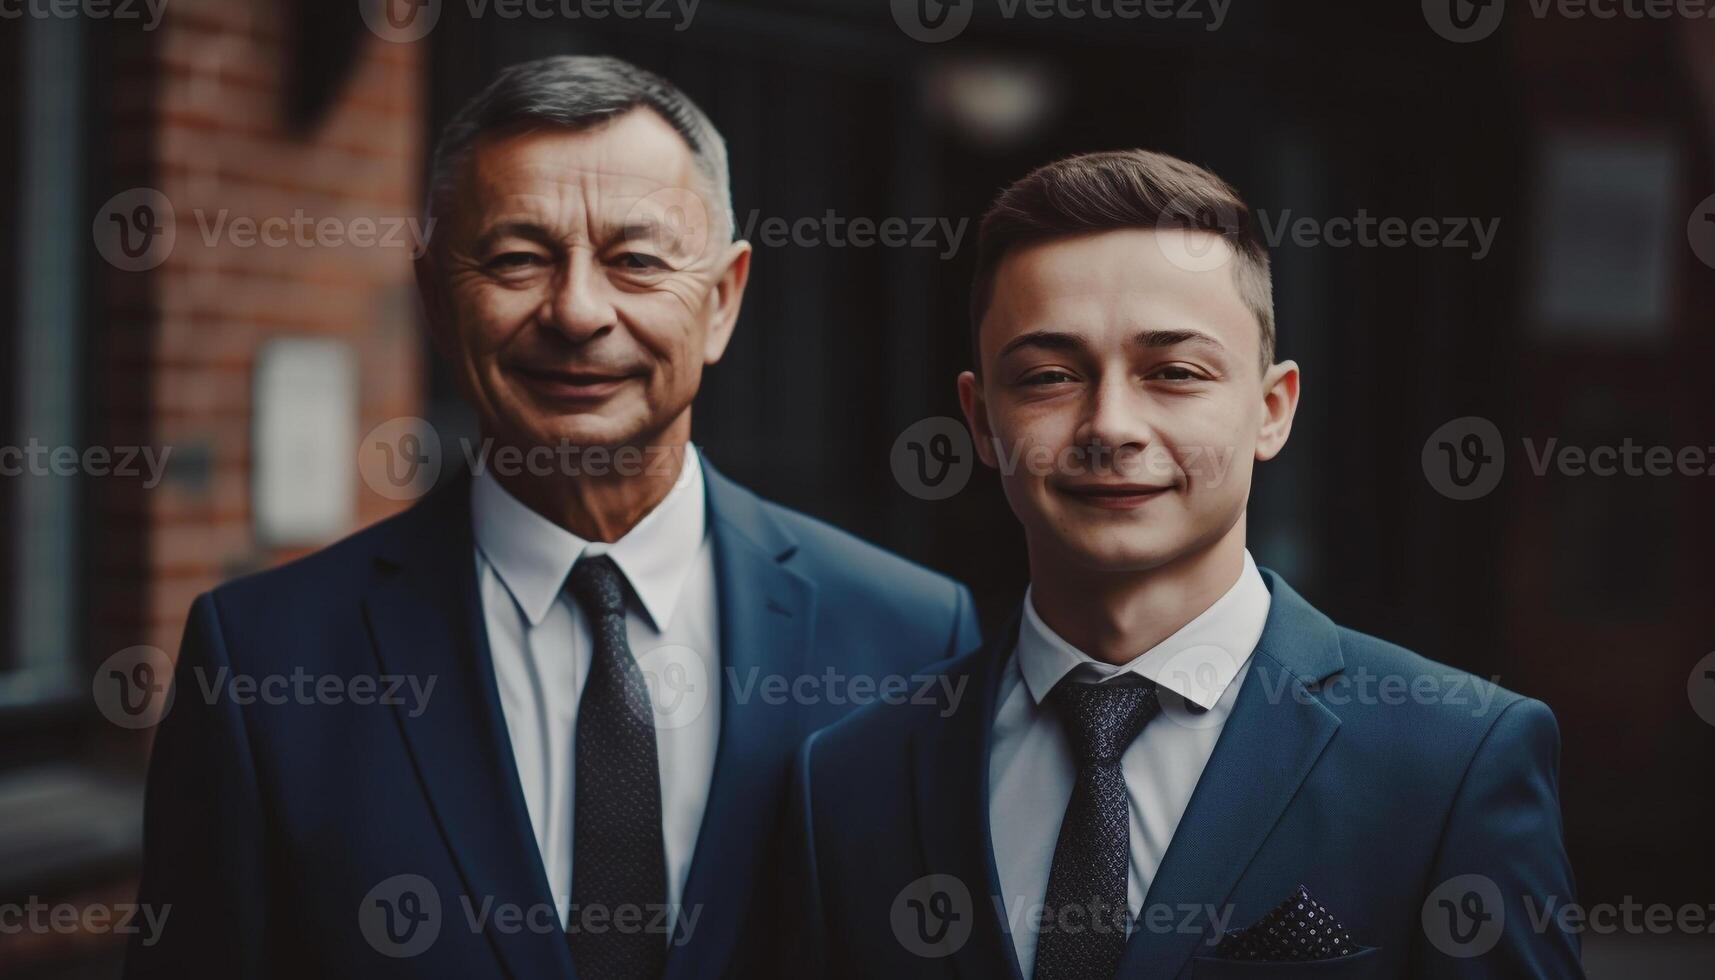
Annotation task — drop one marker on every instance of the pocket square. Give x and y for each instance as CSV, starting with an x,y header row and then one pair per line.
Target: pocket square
x,y
1297,929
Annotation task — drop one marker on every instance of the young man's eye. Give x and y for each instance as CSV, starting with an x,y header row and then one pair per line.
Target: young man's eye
x,y
1177,372
1046,378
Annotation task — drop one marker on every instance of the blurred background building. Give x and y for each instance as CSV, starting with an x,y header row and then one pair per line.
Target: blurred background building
x,y
134,316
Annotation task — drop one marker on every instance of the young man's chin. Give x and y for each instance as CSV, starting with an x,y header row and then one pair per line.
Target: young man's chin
x,y
1108,550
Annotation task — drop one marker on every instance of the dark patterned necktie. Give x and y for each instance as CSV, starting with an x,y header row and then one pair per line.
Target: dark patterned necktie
x,y
1084,920
619,864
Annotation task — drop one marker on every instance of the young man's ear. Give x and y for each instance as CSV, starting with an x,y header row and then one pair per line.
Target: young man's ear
x,y
977,417
1279,404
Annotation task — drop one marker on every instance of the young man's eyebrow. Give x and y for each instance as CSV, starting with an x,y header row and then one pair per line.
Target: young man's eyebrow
x,y
1173,338
1055,340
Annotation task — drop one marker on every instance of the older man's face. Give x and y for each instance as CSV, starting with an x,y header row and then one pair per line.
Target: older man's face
x,y
580,281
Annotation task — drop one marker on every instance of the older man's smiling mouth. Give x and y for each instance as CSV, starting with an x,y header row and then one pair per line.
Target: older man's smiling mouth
x,y
572,385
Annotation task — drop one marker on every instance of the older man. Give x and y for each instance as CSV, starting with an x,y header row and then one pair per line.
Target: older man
x,y
618,638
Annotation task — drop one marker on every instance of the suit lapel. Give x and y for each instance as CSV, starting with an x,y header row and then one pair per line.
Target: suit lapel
x,y
426,619
767,616
950,785
1270,743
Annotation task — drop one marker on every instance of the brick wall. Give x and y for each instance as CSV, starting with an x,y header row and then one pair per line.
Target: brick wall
x,y
197,113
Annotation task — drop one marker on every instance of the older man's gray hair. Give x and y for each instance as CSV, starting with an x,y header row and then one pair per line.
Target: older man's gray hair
x,y
576,92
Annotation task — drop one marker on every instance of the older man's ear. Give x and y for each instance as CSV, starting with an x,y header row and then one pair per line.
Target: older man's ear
x,y
728,298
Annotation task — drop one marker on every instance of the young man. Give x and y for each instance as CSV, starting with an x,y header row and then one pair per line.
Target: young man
x,y
1169,764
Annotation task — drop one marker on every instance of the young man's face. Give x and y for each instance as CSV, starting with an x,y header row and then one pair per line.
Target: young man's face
x,y
580,283
1122,397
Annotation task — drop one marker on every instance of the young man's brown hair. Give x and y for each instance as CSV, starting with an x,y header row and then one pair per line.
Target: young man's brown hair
x,y
1095,192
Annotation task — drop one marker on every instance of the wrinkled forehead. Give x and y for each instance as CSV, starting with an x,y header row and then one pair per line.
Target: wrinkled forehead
x,y
595,181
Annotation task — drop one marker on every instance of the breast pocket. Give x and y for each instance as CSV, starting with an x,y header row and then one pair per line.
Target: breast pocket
x,y
1363,963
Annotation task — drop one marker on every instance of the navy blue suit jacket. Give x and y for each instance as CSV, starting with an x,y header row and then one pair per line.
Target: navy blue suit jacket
x,y
1372,801
269,826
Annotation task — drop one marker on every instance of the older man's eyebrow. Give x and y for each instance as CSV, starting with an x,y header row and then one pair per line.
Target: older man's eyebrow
x,y
1054,340
1174,338
528,230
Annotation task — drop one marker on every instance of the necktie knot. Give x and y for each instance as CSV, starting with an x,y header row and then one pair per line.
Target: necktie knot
x,y
1101,720
599,586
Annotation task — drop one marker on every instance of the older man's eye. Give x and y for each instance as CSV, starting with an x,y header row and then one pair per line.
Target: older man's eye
x,y
639,262
513,261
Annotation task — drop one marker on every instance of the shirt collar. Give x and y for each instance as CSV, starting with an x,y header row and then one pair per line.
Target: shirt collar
x,y
1197,662
533,555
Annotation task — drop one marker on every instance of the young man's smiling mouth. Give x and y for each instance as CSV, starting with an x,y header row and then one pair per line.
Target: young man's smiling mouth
x,y
1113,496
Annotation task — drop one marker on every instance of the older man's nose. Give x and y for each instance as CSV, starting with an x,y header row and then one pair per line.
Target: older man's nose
x,y
580,307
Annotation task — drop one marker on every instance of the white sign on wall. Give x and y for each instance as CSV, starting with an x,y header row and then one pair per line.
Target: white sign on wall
x,y
304,441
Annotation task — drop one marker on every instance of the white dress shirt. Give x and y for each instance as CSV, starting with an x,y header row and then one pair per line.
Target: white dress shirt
x,y
1032,771
541,643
